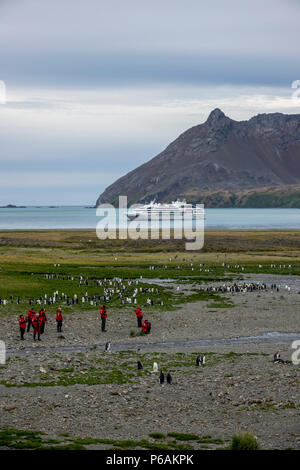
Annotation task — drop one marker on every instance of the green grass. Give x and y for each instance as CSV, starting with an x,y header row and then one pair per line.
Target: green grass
x,y
23,268
28,281
20,439
157,435
128,443
245,441
287,406
210,440
91,377
232,354
271,406
273,199
120,369
183,437
223,304
36,440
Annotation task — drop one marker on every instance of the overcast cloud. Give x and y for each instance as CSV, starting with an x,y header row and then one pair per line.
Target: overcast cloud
x,y
95,88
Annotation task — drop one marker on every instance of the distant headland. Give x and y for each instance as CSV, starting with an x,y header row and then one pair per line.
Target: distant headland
x,y
12,206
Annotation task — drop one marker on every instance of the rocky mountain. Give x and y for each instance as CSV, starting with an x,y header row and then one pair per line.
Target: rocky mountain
x,y
222,162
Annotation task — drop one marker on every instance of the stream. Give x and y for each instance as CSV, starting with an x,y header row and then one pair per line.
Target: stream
x,y
270,338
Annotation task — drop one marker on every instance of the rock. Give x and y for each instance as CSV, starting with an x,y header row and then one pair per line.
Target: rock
x,y
10,407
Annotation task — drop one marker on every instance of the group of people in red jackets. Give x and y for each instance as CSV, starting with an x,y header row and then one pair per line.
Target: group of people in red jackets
x,y
38,322
146,325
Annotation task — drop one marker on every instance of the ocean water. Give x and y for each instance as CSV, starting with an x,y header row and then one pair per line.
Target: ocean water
x,y
79,217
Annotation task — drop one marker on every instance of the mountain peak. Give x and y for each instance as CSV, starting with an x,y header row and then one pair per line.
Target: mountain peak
x,y
218,119
215,115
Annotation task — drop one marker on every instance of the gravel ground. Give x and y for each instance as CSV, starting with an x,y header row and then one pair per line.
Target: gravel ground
x,y
233,393
253,313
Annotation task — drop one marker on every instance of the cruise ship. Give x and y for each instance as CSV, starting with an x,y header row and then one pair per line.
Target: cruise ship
x,y
154,210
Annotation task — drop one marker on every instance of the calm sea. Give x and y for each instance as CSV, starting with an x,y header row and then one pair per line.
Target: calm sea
x,y
71,217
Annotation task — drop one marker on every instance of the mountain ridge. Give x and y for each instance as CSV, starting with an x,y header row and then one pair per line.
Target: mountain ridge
x,y
220,155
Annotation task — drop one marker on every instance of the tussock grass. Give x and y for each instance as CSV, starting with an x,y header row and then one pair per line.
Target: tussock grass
x,y
157,435
245,441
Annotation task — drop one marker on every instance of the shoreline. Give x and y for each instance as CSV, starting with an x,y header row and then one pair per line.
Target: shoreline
x,y
213,229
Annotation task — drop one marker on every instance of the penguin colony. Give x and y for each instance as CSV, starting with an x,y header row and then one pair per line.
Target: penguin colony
x,y
127,291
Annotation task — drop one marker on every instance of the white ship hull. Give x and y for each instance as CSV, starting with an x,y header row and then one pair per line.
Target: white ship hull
x,y
175,211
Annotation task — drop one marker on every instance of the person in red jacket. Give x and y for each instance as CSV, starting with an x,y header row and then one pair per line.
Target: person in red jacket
x,y
146,327
30,313
22,325
59,320
103,316
36,323
139,316
43,317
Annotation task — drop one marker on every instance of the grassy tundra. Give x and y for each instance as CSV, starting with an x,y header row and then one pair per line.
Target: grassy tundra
x,y
27,256
239,389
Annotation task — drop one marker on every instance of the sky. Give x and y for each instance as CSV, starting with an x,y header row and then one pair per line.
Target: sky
x,y
90,89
